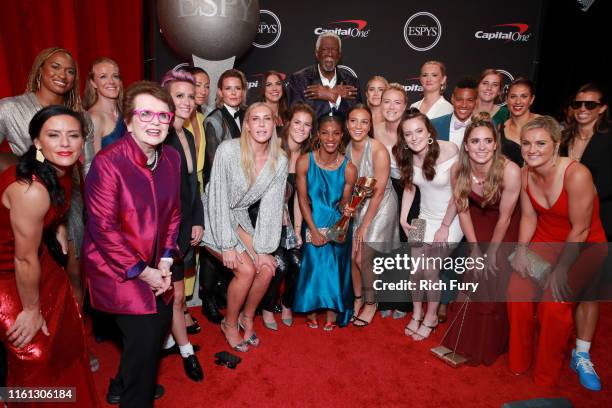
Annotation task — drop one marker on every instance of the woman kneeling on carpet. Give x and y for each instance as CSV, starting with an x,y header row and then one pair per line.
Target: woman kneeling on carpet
x,y
229,235
325,180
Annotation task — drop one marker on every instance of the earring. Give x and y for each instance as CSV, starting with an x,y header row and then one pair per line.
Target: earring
x,y
429,141
318,144
39,155
405,146
38,81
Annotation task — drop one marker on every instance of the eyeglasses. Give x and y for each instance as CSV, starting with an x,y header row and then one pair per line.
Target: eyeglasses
x,y
590,105
146,115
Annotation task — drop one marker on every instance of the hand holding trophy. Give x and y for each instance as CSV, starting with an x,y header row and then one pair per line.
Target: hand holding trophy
x,y
364,188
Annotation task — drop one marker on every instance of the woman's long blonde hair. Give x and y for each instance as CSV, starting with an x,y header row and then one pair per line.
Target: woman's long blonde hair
x,y
246,153
493,184
90,96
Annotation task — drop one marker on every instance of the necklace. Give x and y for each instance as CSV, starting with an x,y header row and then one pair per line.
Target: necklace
x,y
153,165
331,162
477,180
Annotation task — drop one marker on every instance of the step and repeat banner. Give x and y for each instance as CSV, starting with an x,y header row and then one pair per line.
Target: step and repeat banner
x,y
388,38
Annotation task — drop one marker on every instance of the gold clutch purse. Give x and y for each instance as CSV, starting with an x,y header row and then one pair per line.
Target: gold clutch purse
x,y
417,235
539,268
308,234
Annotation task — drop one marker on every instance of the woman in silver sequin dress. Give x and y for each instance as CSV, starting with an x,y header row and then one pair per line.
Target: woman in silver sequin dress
x,y
376,222
246,170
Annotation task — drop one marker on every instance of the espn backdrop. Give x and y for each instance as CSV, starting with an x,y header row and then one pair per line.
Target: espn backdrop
x,y
389,38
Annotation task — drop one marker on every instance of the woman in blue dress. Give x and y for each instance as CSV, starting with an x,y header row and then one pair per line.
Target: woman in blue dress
x,y
325,179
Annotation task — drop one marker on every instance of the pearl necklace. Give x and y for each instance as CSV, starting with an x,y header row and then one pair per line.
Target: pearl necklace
x,y
155,162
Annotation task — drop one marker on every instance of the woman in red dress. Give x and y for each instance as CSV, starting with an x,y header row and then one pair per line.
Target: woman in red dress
x,y
40,324
559,208
486,187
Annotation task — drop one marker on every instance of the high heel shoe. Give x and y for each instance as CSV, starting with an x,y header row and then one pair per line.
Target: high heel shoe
x,y
410,332
329,326
355,309
242,346
253,340
287,321
420,336
269,325
359,322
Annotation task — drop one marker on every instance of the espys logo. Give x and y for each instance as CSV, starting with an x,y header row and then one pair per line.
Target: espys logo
x,y
422,31
515,32
254,79
413,85
269,29
346,29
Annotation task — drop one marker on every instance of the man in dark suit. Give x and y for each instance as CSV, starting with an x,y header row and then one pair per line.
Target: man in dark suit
x,y
329,89
452,127
221,124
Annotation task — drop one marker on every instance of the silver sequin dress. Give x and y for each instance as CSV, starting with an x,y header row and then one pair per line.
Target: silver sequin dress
x,y
384,227
228,196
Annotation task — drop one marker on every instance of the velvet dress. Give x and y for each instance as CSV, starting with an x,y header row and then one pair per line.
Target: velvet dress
x,y
57,360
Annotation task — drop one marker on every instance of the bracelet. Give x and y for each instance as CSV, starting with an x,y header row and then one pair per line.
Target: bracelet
x,y
446,225
169,260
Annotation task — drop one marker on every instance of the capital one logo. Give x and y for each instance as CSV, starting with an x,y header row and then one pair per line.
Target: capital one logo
x,y
269,29
413,85
514,32
422,31
345,29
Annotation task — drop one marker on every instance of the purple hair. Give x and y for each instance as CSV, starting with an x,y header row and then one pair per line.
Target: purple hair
x,y
176,76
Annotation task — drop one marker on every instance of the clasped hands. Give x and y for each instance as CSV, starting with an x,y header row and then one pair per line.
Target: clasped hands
x,y
330,94
159,280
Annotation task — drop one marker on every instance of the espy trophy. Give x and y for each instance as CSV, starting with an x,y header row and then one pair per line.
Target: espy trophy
x,y
364,188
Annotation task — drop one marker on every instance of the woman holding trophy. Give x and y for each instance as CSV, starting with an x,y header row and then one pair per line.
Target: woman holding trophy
x,y
376,221
325,179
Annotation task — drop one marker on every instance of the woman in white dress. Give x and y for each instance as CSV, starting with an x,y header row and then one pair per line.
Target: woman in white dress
x,y
433,81
426,162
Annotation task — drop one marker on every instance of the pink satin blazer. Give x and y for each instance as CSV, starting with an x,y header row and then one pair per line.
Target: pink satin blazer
x,y
133,217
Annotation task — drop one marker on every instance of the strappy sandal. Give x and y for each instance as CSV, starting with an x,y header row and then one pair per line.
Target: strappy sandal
x,y
356,311
329,326
253,340
359,322
408,331
420,337
312,323
242,346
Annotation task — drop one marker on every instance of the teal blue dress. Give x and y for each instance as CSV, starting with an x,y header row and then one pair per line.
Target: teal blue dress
x,y
324,281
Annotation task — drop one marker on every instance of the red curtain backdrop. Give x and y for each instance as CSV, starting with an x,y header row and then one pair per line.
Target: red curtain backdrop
x,y
87,28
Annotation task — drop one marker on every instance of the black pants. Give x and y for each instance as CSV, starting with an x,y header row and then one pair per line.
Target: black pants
x,y
287,270
213,277
142,340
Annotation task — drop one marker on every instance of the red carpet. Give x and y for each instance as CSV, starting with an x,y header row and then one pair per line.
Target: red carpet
x,y
372,366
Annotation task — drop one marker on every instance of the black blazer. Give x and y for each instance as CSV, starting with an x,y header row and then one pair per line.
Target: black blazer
x,y
219,126
192,212
298,82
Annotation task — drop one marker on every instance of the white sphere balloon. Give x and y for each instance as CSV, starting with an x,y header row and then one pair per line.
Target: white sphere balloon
x,y
210,29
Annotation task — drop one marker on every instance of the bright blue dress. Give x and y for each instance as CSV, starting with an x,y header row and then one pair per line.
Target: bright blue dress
x,y
116,134
324,281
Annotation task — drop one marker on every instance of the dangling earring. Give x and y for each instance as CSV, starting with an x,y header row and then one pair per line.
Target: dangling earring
x,y
39,155
38,81
318,144
429,141
405,146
